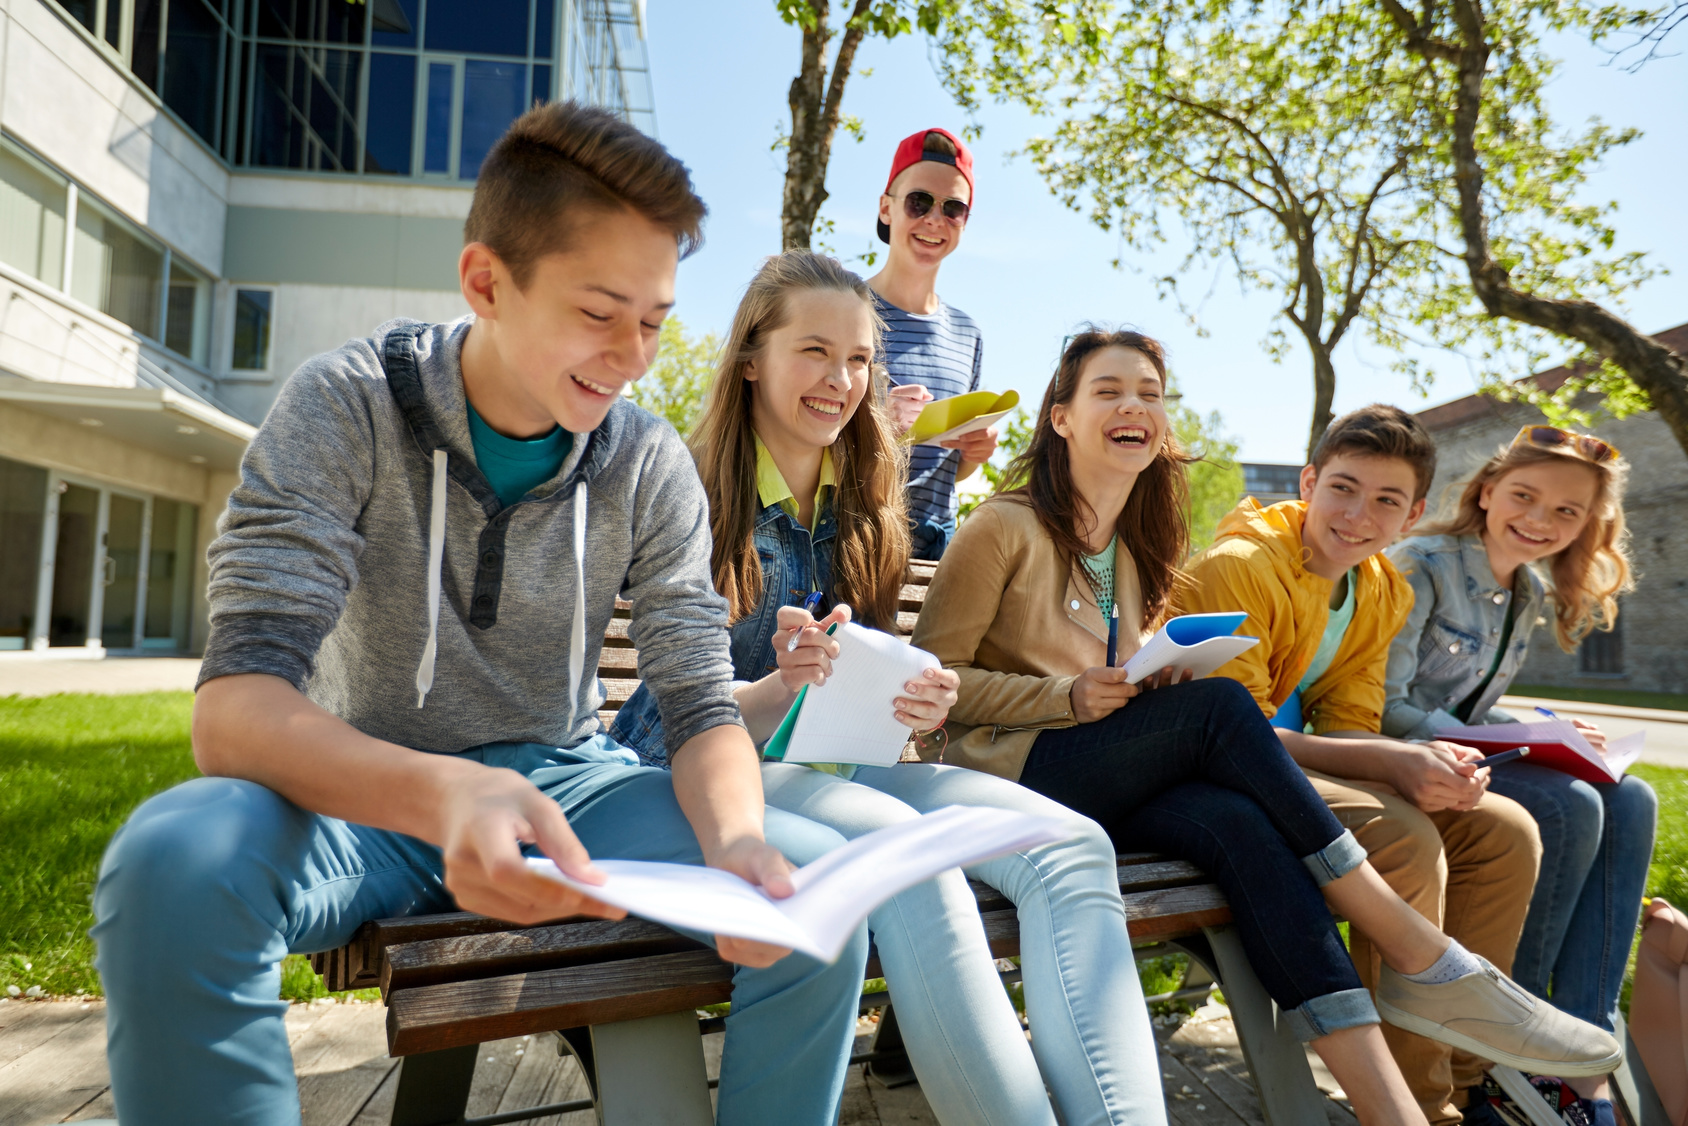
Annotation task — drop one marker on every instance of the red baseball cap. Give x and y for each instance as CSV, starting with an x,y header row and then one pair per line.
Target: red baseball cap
x,y
911,150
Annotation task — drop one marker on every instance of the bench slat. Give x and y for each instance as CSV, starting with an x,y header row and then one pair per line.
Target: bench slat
x,y
468,957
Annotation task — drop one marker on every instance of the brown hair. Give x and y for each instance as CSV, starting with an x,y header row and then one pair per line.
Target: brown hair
x,y
1381,430
563,159
1155,523
937,142
870,555
1590,573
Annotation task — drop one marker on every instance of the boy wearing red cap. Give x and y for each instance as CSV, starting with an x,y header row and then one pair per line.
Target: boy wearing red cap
x,y
932,350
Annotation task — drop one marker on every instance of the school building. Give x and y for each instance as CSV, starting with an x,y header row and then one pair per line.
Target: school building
x,y
1648,651
195,196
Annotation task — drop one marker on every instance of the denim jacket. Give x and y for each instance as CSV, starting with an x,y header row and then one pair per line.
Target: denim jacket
x,y
794,563
1449,642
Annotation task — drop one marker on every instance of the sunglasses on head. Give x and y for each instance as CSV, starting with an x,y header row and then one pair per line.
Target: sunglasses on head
x,y
1552,437
917,203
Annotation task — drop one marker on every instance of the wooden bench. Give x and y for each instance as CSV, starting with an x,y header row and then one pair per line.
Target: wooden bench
x,y
623,996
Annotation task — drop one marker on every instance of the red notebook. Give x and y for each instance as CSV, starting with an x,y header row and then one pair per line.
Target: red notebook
x,y
1556,743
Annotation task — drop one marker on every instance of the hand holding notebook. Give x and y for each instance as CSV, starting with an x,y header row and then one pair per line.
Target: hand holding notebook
x,y
944,420
851,718
1556,743
833,894
1197,642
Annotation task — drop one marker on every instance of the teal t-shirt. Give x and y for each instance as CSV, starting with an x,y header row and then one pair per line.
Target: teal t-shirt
x,y
513,466
1101,568
1336,626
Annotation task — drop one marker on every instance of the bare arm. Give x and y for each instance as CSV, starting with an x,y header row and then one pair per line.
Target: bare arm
x,y
262,729
1433,776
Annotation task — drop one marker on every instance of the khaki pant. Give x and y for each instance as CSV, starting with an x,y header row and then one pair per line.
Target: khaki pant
x,y
1471,874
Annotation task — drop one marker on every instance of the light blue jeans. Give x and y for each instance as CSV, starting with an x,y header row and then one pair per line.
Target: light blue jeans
x,y
1091,1041
1597,841
209,884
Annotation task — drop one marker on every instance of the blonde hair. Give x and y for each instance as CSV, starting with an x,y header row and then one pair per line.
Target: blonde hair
x,y
870,554
1594,569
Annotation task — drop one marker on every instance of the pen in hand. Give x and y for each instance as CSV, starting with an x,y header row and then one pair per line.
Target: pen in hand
x,y
1113,636
810,605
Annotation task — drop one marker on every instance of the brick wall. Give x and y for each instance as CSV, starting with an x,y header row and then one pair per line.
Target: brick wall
x,y
1653,624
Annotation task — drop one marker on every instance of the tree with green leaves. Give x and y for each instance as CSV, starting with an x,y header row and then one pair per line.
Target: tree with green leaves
x,y
678,382
816,96
1503,158
1301,142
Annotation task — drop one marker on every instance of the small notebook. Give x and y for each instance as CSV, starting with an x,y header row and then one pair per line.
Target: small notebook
x,y
850,718
1198,642
834,894
944,420
1556,743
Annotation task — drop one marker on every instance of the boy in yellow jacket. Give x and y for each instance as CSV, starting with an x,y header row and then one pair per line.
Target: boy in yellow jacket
x,y
1325,604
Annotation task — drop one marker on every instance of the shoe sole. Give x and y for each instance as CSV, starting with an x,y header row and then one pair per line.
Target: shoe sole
x,y
1525,1097
1444,1035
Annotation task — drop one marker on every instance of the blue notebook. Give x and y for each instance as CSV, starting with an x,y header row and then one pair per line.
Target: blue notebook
x,y
1198,642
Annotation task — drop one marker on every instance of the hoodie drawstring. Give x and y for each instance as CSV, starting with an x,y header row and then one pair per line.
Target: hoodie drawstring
x,y
577,632
436,564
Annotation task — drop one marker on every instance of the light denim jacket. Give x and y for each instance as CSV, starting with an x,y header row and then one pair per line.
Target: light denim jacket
x,y
794,563
1448,644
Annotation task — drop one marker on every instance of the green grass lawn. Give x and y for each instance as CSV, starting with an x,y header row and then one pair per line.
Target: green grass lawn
x,y
73,767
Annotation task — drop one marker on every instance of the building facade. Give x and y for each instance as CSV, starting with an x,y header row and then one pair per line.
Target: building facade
x,y
1648,651
196,196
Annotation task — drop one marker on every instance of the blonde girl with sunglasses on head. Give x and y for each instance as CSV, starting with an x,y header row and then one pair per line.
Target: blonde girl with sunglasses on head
x,y
1552,501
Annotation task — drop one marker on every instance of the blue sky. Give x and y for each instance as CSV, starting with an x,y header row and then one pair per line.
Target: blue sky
x,y
1029,268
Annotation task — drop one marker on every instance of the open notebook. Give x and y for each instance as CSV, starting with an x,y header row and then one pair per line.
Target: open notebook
x,y
944,420
1556,743
1198,642
850,718
834,894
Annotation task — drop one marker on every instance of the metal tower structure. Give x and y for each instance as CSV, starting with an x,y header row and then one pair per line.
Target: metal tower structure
x,y
606,61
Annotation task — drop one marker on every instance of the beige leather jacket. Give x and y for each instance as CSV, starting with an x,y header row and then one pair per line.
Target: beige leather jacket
x,y
1019,624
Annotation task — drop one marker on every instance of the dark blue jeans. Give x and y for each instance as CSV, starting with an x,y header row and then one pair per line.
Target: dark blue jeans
x,y
1195,771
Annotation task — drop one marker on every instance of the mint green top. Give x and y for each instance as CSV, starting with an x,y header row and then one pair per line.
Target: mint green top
x,y
513,466
1335,626
1101,569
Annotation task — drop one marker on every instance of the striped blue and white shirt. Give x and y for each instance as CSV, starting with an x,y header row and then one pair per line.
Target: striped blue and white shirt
x,y
942,352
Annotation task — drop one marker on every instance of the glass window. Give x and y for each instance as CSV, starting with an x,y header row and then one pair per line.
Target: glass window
x,y
23,514
478,27
396,22
116,269
542,28
310,21
73,564
436,145
143,56
1602,654
114,24
192,56
306,113
82,11
252,313
541,86
392,114
32,203
187,313
122,577
170,564
494,94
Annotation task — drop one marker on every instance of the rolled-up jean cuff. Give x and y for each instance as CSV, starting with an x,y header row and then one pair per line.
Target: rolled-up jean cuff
x,y
1348,1008
1336,859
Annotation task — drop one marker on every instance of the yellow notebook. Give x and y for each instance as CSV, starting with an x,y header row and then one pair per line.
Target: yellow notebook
x,y
943,420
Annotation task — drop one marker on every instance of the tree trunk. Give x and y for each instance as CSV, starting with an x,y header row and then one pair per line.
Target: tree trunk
x,y
1661,373
1324,394
814,101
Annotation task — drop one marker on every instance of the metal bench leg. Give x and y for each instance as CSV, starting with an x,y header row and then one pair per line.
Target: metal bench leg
x,y
1634,1087
651,1072
890,1063
434,1087
1275,1058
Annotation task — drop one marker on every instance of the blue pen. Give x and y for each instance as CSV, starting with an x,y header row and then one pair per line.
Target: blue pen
x,y
810,605
1113,635
1548,712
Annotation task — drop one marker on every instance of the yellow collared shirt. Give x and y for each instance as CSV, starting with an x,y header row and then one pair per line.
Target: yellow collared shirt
x,y
772,489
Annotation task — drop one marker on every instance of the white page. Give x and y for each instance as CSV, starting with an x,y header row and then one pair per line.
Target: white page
x,y
850,718
1202,658
834,894
1621,753
979,422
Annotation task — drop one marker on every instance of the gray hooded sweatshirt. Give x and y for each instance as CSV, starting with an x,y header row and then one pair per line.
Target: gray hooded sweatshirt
x,y
365,558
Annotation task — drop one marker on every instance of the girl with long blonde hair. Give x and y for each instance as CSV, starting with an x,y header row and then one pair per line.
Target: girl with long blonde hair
x,y
805,480
1551,499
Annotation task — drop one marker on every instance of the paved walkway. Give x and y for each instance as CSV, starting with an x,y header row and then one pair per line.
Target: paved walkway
x,y
1667,732
53,1069
25,674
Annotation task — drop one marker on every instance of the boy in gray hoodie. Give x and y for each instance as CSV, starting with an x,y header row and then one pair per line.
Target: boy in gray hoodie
x,y
408,597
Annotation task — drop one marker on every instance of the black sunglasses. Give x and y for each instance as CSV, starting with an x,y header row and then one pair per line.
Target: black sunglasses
x,y
917,203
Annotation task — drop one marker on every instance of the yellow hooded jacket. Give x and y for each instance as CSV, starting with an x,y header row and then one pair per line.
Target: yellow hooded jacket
x,y
1256,565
